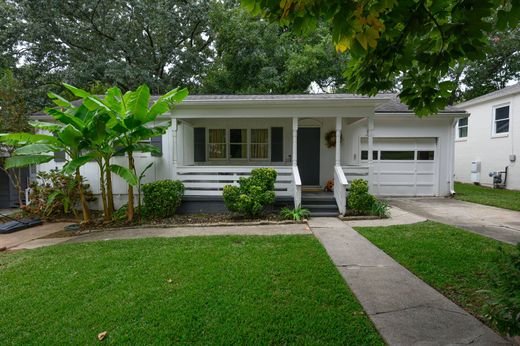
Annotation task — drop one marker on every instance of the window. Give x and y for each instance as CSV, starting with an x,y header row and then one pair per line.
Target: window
x,y
425,155
364,155
259,143
238,143
217,144
462,128
501,120
397,155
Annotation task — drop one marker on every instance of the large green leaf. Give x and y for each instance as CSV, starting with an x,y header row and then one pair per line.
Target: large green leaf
x,y
70,136
28,138
35,149
71,166
124,173
58,100
145,148
65,118
26,160
77,91
51,127
138,102
163,104
113,99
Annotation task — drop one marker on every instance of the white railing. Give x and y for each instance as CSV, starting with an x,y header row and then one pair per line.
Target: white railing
x,y
355,172
297,187
210,180
340,189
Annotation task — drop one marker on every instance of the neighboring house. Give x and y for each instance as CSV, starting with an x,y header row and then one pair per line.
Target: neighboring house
x,y
490,137
215,139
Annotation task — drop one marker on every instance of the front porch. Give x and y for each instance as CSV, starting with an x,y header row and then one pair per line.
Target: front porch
x,y
213,153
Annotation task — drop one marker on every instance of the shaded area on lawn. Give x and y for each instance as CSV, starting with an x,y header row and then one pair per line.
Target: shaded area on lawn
x,y
202,290
508,199
451,260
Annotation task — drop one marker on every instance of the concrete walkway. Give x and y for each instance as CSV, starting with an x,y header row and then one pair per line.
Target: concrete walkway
x,y
15,239
497,223
397,217
404,309
135,233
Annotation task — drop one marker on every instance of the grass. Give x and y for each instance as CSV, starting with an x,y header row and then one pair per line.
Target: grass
x,y
198,290
453,261
508,199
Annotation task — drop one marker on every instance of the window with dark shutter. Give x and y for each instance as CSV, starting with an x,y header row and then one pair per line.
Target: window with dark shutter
x,y
276,144
59,156
199,144
157,142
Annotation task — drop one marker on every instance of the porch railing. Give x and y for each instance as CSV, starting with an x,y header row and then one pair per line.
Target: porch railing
x,y
210,180
340,189
297,187
355,172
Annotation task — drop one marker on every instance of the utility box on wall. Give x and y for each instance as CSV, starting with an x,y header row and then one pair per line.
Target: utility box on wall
x,y
475,172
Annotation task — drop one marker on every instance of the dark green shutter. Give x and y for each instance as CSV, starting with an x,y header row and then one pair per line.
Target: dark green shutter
x,y
157,142
276,144
59,156
199,144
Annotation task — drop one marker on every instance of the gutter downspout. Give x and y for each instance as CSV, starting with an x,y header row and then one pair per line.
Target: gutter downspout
x,y
451,169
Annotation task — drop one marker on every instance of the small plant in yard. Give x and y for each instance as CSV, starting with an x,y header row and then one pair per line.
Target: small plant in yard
x,y
253,194
380,209
162,198
296,214
55,193
503,307
362,202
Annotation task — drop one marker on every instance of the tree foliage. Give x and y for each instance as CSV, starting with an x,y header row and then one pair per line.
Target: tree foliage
x,y
416,40
255,56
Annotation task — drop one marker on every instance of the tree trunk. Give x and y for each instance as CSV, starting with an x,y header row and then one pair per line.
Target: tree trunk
x,y
84,205
110,194
102,185
130,211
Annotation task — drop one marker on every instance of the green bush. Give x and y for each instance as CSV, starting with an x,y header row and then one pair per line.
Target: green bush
x,y
161,198
296,214
503,307
358,199
253,194
380,209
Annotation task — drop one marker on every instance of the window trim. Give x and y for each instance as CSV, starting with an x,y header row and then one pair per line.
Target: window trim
x,y
494,134
457,135
248,144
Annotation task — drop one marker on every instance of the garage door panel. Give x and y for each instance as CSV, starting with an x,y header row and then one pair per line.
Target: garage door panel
x,y
415,176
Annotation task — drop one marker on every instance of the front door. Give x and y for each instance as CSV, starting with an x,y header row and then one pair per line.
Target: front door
x,y
309,155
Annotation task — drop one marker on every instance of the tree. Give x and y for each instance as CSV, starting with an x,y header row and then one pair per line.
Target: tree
x,y
122,43
500,66
255,56
416,40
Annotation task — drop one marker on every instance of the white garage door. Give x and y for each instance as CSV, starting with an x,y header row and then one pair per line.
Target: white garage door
x,y
404,166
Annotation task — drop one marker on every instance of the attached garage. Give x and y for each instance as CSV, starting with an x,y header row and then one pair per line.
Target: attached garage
x,y
404,166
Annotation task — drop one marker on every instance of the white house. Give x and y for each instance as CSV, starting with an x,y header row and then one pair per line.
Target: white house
x,y
490,138
215,139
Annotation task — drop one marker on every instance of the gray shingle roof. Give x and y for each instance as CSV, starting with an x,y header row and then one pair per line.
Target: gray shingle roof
x,y
391,103
510,90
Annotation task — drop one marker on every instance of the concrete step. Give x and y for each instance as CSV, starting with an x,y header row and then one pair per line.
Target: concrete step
x,y
324,214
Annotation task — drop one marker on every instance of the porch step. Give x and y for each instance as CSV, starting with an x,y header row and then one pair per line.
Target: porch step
x,y
320,204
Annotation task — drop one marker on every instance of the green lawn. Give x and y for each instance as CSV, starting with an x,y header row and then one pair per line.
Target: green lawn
x,y
508,199
198,290
452,260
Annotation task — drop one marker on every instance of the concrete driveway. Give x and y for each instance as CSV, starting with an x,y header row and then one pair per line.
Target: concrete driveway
x,y
497,223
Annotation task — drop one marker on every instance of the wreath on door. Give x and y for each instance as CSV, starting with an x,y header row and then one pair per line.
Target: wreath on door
x,y
330,139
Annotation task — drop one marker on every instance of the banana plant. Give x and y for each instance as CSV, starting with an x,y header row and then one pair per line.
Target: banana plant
x,y
132,120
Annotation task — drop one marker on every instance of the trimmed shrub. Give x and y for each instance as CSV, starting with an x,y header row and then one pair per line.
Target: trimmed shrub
x,y
358,199
253,194
161,198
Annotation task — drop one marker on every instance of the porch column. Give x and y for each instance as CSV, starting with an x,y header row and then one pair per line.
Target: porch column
x,y
338,140
370,134
294,141
174,149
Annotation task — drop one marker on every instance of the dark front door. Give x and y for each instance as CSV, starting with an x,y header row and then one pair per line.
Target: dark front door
x,y
309,155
